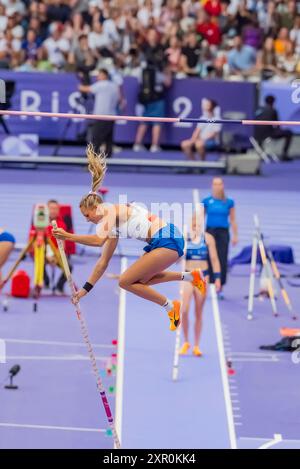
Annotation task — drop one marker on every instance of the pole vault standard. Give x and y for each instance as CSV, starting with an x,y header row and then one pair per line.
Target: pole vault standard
x,y
167,120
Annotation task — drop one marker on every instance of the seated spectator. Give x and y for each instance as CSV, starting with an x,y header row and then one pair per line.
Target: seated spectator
x,y
213,7
10,50
206,136
243,16
288,63
271,19
281,41
30,47
208,28
241,59
97,39
295,34
58,11
7,244
56,46
173,53
252,34
191,53
145,13
287,17
225,19
267,60
40,28
83,59
269,112
3,19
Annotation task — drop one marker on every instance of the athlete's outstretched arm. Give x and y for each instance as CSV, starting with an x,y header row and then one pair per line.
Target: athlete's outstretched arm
x,y
103,261
87,240
100,267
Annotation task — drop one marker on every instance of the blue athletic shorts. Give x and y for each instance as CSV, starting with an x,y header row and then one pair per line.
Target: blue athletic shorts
x,y
7,237
155,109
168,237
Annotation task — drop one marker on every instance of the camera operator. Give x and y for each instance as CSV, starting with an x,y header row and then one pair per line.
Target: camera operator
x,y
106,99
155,77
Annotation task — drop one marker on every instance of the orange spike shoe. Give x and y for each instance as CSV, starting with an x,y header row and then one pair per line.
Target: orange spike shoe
x,y
174,315
196,351
185,348
199,281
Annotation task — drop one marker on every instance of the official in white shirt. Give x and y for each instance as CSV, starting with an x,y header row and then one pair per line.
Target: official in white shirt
x,y
107,97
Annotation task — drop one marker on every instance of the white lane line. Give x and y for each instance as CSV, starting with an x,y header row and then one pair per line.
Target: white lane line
x,y
51,427
253,438
121,354
49,357
256,360
50,342
277,439
223,365
255,354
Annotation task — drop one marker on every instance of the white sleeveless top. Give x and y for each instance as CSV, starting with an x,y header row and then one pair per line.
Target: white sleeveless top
x,y
137,226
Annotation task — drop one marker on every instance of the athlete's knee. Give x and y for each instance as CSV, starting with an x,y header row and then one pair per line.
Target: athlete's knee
x,y
124,282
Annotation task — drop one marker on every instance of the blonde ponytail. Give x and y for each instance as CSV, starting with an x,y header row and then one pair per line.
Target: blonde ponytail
x,y
97,168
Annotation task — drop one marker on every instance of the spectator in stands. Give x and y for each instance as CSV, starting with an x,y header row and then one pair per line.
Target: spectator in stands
x,y
281,42
173,53
10,50
213,7
269,112
58,11
225,19
243,16
206,136
271,20
97,39
30,47
107,97
267,60
115,27
208,28
83,59
56,47
7,244
3,19
40,28
221,216
54,214
288,63
295,34
287,17
252,34
191,53
241,59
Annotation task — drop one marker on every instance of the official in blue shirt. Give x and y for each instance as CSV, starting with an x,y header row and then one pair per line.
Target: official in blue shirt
x,y
220,213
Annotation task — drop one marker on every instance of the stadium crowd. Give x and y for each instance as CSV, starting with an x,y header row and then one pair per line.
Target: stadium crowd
x,y
237,39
